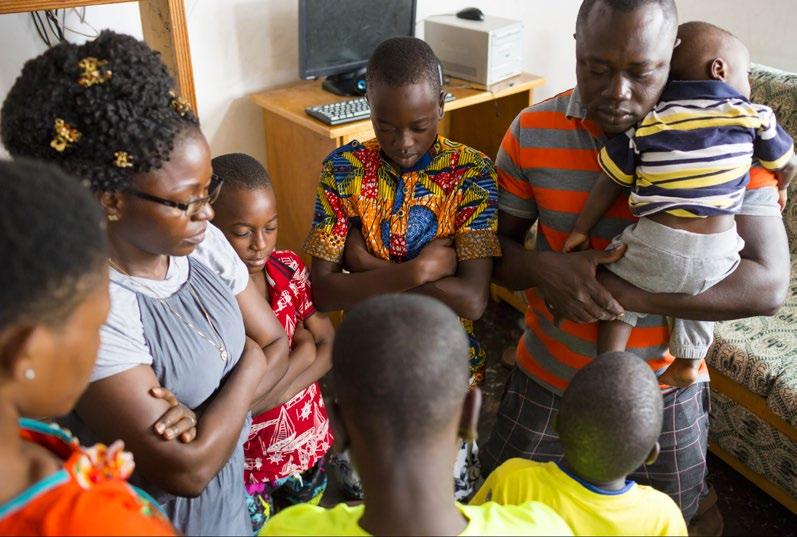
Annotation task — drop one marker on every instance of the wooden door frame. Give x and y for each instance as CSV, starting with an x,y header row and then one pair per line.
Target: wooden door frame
x,y
162,21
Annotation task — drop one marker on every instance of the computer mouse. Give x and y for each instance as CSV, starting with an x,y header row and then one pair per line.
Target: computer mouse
x,y
471,14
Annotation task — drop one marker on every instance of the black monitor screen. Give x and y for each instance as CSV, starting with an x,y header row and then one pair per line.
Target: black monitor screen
x,y
339,36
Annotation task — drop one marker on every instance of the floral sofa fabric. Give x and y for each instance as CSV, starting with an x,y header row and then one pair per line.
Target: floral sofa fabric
x,y
778,90
759,354
756,444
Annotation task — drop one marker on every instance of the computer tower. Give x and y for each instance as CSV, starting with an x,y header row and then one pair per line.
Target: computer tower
x,y
482,52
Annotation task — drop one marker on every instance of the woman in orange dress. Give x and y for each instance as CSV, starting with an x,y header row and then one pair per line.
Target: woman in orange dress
x,y
53,300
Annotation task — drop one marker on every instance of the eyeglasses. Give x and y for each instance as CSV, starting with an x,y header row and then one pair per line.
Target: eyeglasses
x,y
192,207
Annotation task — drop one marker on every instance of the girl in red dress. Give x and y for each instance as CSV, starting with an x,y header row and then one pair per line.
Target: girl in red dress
x,y
287,443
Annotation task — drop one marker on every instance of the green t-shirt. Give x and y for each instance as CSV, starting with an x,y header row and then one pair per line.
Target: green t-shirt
x,y
635,510
531,518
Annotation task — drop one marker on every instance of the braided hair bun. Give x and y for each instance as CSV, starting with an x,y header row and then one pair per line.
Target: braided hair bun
x,y
102,111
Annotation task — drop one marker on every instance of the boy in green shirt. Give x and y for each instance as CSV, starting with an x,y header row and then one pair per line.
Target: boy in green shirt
x,y
399,371
607,429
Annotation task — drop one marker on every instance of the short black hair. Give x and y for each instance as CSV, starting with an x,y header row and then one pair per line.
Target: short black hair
x,y
52,243
701,43
400,366
116,97
401,61
610,417
240,172
626,6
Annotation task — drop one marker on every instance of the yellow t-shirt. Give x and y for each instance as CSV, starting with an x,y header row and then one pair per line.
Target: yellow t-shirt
x,y
531,518
634,510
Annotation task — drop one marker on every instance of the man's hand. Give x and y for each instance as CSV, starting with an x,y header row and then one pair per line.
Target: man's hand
x,y
576,241
568,285
437,260
783,197
178,422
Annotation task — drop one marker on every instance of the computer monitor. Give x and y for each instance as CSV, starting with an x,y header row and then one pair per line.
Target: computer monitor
x,y
337,38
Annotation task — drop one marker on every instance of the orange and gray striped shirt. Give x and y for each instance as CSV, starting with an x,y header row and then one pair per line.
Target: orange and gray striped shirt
x,y
547,165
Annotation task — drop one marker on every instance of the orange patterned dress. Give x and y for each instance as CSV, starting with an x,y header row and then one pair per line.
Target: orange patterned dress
x,y
88,496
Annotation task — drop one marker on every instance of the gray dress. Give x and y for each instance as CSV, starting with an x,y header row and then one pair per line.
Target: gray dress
x,y
193,370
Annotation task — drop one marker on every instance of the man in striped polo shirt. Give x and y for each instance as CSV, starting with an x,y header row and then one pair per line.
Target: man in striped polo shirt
x,y
547,165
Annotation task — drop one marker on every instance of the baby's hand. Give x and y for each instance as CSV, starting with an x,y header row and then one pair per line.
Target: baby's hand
x,y
576,241
783,196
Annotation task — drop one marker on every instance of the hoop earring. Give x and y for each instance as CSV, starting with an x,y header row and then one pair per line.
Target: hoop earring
x,y
30,374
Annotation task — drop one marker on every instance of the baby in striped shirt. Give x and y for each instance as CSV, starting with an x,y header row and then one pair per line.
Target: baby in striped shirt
x,y
687,164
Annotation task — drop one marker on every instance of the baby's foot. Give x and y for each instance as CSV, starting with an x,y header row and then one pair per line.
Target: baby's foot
x,y
681,373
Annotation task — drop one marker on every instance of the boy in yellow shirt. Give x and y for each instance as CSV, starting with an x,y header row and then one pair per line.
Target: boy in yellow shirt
x,y
400,376
607,429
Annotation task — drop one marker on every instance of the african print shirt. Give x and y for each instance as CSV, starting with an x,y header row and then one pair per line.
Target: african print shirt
x,y
291,438
450,192
88,496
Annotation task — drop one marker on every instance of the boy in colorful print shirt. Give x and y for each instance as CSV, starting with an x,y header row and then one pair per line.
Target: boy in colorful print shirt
x,y
409,211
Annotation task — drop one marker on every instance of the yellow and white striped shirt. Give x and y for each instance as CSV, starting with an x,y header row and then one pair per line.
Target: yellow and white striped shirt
x,y
690,156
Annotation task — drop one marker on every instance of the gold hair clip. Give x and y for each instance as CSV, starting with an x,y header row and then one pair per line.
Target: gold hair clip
x,y
122,159
180,105
91,72
65,135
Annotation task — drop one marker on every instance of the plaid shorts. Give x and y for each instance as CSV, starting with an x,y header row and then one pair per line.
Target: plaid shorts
x,y
524,428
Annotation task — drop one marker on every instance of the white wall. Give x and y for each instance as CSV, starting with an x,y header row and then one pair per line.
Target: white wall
x,y
261,51
19,41
242,46
767,27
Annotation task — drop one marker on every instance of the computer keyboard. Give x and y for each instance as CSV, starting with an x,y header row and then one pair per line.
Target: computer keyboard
x,y
346,111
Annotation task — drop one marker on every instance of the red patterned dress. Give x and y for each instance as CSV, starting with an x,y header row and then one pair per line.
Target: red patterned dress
x,y
287,444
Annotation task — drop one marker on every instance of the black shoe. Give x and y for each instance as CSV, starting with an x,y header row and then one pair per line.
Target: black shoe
x,y
708,520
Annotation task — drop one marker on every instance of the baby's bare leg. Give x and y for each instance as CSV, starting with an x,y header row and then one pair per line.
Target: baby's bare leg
x,y
613,336
689,343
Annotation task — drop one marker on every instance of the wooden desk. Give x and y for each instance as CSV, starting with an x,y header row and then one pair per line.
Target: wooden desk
x,y
296,143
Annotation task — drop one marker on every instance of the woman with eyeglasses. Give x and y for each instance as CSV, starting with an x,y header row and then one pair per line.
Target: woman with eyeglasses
x,y
184,315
